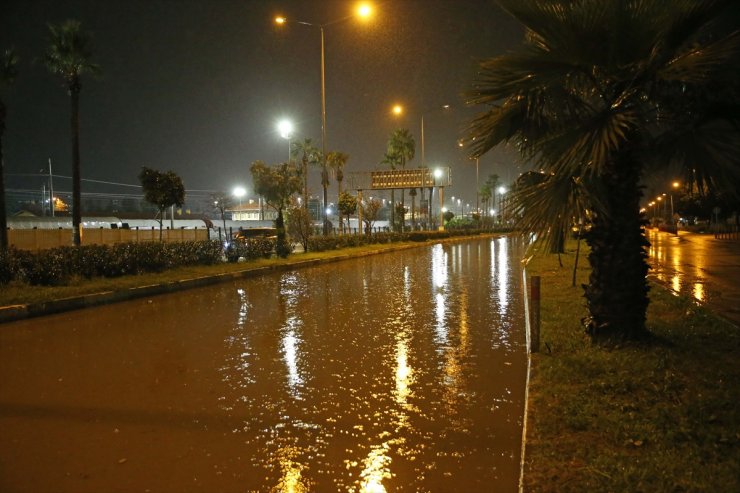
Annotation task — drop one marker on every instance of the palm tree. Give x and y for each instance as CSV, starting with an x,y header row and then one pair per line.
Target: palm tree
x,y
485,195
336,161
600,93
309,155
69,56
401,148
392,160
8,73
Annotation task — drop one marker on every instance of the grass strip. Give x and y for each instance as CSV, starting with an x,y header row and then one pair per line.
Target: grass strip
x,y
661,416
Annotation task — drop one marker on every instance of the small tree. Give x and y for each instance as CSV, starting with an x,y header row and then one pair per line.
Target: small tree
x,y
370,210
162,190
347,206
300,225
221,202
277,184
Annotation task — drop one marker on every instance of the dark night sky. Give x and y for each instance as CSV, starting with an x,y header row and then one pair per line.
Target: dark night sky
x,y
197,86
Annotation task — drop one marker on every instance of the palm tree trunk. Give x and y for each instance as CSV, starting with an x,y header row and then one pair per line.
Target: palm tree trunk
x,y
339,194
74,93
393,210
304,169
325,185
413,209
3,215
403,208
617,294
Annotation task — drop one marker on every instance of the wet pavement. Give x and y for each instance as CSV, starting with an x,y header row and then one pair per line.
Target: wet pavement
x,y
701,267
397,372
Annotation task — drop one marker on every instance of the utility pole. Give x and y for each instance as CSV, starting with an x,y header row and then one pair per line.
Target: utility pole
x,y
51,189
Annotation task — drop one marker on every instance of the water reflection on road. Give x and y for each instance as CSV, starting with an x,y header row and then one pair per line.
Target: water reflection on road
x,y
400,372
699,266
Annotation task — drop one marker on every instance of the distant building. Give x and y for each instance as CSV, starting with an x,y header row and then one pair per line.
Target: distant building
x,y
253,210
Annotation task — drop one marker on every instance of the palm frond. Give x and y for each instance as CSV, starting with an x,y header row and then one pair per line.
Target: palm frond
x,y
8,67
549,204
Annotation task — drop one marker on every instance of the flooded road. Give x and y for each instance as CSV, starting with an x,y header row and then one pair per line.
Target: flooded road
x,y
699,266
396,372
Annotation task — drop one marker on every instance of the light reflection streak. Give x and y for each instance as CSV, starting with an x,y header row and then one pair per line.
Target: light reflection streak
x,y
676,283
290,343
439,280
236,370
503,274
289,293
290,480
375,470
440,328
439,267
406,283
676,272
698,291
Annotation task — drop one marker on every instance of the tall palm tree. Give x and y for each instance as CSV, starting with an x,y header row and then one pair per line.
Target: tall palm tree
x,y
69,55
392,160
8,73
485,196
402,147
336,161
309,156
601,92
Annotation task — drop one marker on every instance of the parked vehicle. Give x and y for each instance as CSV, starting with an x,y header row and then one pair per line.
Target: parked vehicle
x,y
251,233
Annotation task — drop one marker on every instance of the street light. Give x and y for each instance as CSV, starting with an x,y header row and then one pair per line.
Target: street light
x,y
363,11
501,192
285,129
239,192
675,185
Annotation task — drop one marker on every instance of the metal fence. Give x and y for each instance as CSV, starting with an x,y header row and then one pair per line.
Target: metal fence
x,y
726,232
40,239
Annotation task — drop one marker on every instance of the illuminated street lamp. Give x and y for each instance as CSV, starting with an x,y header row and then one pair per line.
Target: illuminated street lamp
x,y
501,192
675,185
285,129
239,192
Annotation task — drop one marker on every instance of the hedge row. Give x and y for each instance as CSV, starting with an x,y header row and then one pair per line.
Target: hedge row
x,y
56,266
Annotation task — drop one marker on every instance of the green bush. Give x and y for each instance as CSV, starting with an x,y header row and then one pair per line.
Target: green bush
x,y
50,269
56,266
323,243
250,249
8,266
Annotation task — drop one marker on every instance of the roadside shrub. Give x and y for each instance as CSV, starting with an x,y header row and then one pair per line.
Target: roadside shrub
x,y
194,252
152,257
50,269
250,249
10,266
323,243
351,241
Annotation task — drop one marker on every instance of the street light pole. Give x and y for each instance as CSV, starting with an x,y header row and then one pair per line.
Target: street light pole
x,y
323,100
364,10
51,189
477,187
